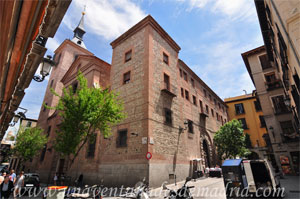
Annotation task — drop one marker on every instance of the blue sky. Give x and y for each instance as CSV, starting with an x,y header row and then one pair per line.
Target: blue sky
x,y
212,35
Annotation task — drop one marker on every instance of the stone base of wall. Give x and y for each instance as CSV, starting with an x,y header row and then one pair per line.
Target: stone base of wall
x,y
160,173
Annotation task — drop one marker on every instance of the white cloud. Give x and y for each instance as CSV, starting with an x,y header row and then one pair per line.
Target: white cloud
x,y
234,9
52,44
105,18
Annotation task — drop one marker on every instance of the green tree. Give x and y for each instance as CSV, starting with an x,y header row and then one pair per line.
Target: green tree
x,y
29,143
84,111
230,141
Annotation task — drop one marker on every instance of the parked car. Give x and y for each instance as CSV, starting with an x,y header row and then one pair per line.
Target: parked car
x,y
31,183
3,168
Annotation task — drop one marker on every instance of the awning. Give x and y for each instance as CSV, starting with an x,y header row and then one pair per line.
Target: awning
x,y
232,162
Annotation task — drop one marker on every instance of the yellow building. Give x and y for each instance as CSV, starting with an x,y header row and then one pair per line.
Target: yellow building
x,y
247,109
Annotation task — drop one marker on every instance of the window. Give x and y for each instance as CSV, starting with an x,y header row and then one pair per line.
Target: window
x,y
91,147
262,121
270,77
122,138
217,114
219,105
257,105
264,61
210,99
168,116
28,124
193,82
187,95
128,56
239,108
201,106
166,58
215,102
205,94
212,113
182,92
279,106
222,120
51,84
287,128
207,109
126,78
190,126
44,150
194,100
180,72
75,86
244,124
48,131
185,76
166,82
44,109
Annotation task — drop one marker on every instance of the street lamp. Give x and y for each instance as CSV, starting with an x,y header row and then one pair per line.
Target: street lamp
x,y
45,67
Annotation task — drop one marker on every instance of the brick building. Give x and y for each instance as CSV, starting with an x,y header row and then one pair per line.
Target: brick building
x,y
171,112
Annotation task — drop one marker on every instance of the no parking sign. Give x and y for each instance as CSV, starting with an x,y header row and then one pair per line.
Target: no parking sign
x,y
148,156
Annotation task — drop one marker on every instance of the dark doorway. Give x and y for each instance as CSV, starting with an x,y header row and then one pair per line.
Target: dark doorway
x,y
61,166
206,153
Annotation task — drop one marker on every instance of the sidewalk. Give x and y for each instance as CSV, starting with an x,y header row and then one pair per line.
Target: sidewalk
x,y
292,186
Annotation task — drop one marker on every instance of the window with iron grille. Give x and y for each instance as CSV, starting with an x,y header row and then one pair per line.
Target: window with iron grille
x,y
126,77
194,100
187,95
190,126
239,108
279,105
48,131
122,138
201,106
262,121
185,76
244,124
166,58
28,124
75,86
166,82
168,116
192,82
287,128
91,147
128,56
257,105
264,61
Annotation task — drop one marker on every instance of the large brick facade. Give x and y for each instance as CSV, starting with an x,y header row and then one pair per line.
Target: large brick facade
x,y
152,95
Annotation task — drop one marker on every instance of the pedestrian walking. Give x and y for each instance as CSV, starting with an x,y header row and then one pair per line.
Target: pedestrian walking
x,y
80,180
62,179
13,176
19,184
55,179
2,177
6,187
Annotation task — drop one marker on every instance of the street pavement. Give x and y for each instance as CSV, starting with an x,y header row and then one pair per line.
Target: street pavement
x,y
213,188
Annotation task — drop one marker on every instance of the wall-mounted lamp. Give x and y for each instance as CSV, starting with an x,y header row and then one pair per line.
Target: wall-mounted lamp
x,y
45,67
19,115
185,127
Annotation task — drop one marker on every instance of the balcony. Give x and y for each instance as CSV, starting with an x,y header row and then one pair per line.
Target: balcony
x,y
275,84
169,90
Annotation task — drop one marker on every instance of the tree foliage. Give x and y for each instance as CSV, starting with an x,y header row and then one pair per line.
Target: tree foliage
x,y
230,140
29,142
85,111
